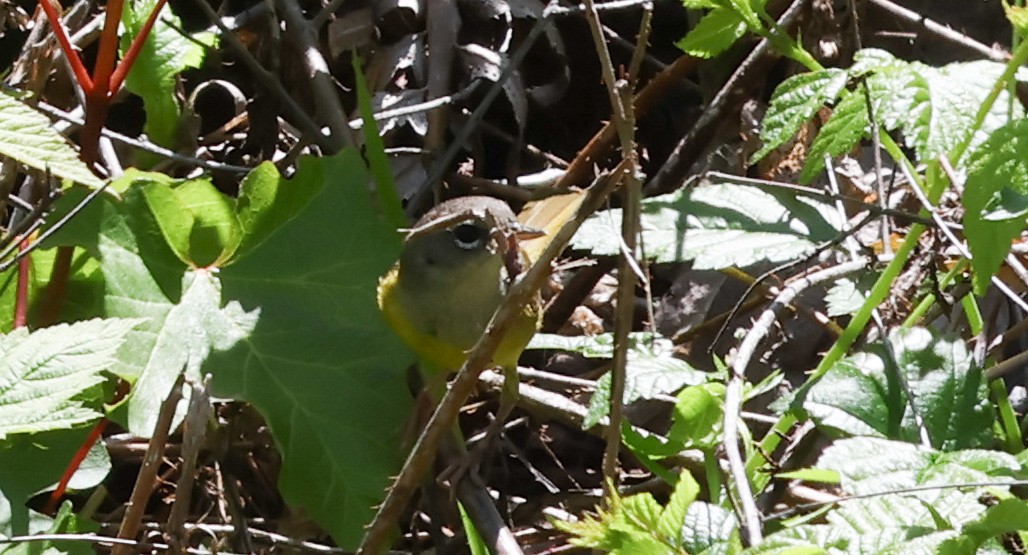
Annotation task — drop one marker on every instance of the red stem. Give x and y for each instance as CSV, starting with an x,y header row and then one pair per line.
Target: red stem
x,y
53,297
81,75
21,298
120,72
108,50
73,466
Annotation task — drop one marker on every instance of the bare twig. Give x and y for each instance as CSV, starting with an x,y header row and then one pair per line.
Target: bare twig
x,y
145,482
310,128
323,89
672,173
624,122
194,430
993,53
750,517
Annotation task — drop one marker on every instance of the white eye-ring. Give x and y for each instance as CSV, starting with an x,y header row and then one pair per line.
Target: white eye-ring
x,y
469,236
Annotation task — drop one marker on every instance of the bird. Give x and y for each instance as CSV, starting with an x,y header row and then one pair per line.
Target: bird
x,y
455,267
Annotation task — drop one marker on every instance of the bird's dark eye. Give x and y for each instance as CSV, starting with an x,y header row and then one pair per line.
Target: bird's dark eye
x,y
469,236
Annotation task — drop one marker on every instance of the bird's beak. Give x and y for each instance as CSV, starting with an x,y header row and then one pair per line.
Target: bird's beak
x,y
525,233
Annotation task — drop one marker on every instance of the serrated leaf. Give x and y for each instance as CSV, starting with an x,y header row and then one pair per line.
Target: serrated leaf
x,y
44,373
870,60
29,138
672,516
846,297
794,102
651,371
713,34
801,540
165,54
950,392
595,346
844,129
709,530
957,91
1001,163
863,394
870,466
718,224
1017,16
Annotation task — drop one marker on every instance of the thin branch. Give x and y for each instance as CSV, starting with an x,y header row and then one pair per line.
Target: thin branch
x,y
991,52
146,480
750,517
311,130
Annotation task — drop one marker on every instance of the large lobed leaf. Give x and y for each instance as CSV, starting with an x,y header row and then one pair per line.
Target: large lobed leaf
x,y
321,365
289,324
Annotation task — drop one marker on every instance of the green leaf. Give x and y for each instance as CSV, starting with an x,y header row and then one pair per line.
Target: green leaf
x,y
45,375
29,138
709,530
1000,164
164,55
652,370
1007,516
794,102
718,224
1006,205
818,475
1017,16
318,360
713,34
672,517
196,219
950,393
266,202
83,290
626,528
700,4
842,132
801,540
185,319
321,365
902,515
862,394
847,296
957,91
186,333
31,463
696,417
870,466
